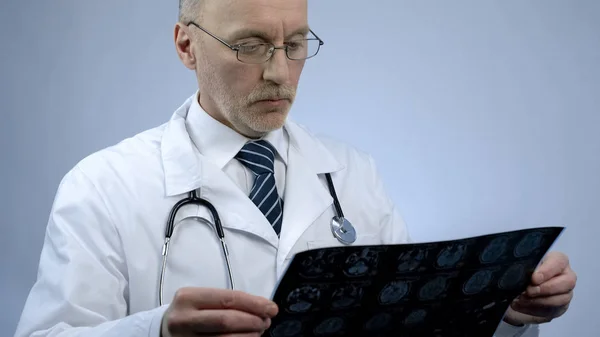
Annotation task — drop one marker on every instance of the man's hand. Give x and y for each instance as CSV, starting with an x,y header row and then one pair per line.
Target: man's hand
x,y
548,295
208,312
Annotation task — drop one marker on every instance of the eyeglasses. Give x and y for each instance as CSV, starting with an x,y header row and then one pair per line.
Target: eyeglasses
x,y
255,53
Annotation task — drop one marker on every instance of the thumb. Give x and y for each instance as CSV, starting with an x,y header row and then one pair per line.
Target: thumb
x,y
516,318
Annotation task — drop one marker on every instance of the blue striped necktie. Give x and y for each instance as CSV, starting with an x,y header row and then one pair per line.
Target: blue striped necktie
x,y
259,157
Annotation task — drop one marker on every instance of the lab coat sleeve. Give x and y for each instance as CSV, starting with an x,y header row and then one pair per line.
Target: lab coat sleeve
x,y
393,228
395,231
507,330
81,287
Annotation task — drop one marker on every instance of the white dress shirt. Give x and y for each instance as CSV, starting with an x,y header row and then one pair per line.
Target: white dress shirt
x,y
220,144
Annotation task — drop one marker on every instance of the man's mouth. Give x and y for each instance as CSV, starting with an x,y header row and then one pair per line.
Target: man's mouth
x,y
274,101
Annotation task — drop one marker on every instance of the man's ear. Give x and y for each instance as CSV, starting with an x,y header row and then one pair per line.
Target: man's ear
x,y
183,46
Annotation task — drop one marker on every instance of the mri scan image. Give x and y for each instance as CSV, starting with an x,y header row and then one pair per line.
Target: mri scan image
x,y
380,321
451,255
362,262
415,317
513,276
530,243
434,288
321,264
346,296
393,292
495,249
303,299
333,325
447,288
478,282
411,260
291,328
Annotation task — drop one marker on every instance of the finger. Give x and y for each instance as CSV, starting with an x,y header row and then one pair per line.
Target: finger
x,y
552,265
252,334
225,321
550,301
561,284
540,310
518,319
204,298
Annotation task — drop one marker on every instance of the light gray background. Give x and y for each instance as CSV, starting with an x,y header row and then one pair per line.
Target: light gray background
x,y
483,115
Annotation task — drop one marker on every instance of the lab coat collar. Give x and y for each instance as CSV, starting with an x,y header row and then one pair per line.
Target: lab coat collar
x,y
219,143
316,155
182,163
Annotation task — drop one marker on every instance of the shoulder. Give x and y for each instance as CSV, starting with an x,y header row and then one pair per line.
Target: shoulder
x,y
345,154
358,185
129,158
353,169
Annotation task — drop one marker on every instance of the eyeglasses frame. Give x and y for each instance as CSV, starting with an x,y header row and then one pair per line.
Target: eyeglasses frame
x,y
236,48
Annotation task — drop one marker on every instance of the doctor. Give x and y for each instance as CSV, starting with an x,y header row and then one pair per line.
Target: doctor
x,y
266,176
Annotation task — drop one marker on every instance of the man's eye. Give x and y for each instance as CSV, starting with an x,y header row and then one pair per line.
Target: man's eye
x,y
255,48
295,44
249,47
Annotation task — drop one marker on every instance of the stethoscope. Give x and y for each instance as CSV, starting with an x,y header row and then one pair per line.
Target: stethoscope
x,y
341,229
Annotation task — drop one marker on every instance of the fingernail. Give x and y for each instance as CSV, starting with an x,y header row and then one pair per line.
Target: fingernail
x,y
540,277
272,309
534,291
267,323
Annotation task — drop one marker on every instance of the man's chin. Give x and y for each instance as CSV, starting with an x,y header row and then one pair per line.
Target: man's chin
x,y
270,120
273,124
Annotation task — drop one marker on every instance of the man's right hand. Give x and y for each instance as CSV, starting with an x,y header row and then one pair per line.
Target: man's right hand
x,y
207,311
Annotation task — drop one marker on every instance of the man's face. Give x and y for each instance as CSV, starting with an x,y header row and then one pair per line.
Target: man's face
x,y
253,99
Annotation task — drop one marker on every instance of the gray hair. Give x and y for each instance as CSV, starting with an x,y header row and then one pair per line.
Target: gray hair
x,y
189,10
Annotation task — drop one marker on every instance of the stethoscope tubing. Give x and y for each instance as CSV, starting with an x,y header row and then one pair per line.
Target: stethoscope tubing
x,y
194,199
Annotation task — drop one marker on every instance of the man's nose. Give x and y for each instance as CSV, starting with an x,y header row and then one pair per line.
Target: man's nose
x,y
277,68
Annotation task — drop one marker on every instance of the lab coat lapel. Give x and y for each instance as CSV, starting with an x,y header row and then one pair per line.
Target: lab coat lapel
x,y
186,169
306,197
236,210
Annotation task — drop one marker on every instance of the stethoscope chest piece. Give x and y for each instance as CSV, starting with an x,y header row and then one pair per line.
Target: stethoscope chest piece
x,y
343,230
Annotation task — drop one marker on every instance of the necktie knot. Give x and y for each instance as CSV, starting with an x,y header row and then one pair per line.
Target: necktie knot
x,y
258,156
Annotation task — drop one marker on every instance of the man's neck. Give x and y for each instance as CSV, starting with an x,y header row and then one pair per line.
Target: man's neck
x,y
210,108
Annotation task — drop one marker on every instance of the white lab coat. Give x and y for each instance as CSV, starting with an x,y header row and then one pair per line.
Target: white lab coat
x,y
101,259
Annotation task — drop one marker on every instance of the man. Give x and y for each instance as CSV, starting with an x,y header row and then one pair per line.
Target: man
x,y
265,176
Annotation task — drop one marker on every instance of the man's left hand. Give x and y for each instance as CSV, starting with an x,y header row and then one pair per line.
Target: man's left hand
x,y
549,294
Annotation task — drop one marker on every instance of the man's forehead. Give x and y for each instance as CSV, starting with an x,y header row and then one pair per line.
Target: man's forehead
x,y
257,5
233,15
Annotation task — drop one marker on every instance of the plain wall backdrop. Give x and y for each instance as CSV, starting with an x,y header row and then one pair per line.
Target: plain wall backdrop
x,y
483,116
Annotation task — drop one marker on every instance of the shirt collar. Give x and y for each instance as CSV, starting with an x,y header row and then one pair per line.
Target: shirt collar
x,y
182,162
219,143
